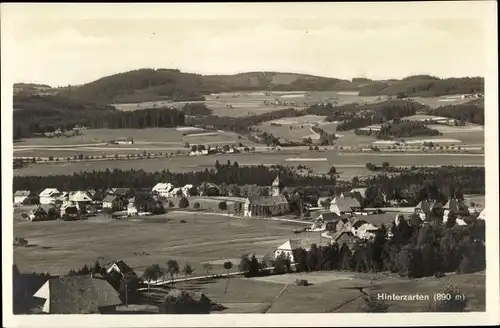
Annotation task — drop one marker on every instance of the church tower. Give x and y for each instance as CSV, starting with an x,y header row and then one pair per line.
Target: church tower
x,y
277,186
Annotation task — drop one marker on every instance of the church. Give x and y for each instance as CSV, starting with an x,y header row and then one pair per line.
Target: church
x,y
274,205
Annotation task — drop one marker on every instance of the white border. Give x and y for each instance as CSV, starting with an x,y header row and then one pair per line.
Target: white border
x,y
484,10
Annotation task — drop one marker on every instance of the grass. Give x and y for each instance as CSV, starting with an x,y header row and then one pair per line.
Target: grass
x,y
332,292
61,246
347,164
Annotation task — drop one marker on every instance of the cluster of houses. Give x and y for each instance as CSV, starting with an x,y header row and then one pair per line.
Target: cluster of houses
x,y
216,150
122,141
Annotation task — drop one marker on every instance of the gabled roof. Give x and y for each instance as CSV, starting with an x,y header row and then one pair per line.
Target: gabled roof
x,y
163,185
79,295
109,198
346,201
47,192
482,215
267,200
122,267
290,245
81,196
358,224
22,193
329,216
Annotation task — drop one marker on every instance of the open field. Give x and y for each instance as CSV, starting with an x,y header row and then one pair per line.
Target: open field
x,y
333,292
62,245
435,102
93,142
348,164
252,102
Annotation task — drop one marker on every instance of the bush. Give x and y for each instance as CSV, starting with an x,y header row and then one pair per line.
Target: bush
x,y
183,221
196,206
185,302
301,282
183,202
452,300
373,305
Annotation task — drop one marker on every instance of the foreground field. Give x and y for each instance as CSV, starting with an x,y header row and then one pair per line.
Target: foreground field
x,y
347,164
57,246
337,292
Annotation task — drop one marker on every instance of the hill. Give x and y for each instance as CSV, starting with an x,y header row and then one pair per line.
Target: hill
x,y
171,84
31,88
35,114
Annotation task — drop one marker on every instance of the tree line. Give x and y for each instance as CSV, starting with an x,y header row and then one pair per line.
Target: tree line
x,y
472,112
399,129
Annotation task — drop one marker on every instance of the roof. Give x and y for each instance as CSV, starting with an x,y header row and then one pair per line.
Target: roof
x,y
329,216
346,201
196,296
362,191
290,245
120,190
427,205
268,200
80,295
109,198
359,223
45,207
455,205
81,196
122,267
47,192
163,185
22,193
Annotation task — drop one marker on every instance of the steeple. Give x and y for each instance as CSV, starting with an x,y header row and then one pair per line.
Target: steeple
x,y
277,186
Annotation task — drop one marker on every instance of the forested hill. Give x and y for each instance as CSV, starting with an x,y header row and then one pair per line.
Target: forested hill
x,y
155,84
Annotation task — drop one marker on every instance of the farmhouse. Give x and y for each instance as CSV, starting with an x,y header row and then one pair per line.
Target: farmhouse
x,y
325,221
49,196
78,295
69,210
163,189
20,196
287,249
39,213
358,193
115,203
120,267
119,191
142,203
80,198
364,230
344,205
323,201
123,141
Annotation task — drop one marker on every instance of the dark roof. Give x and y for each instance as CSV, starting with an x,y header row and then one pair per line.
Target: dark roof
x,y
358,223
80,295
109,198
268,200
123,267
455,205
346,201
329,216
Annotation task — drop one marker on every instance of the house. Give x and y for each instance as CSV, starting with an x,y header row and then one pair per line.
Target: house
x,y
344,237
199,152
142,203
123,141
287,249
163,189
21,196
322,201
455,207
427,208
120,267
115,203
325,221
345,224
364,230
49,196
266,206
119,191
80,198
357,193
78,295
69,210
345,205
42,212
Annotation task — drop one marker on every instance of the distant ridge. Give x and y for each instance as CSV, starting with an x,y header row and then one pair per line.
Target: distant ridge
x,y
172,84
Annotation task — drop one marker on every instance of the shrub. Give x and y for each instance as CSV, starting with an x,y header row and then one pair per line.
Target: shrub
x,y
450,299
183,202
301,282
373,305
183,221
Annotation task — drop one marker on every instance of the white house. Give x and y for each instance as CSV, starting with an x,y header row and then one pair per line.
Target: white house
x,y
20,196
482,215
364,230
198,152
49,196
131,209
80,198
287,249
163,189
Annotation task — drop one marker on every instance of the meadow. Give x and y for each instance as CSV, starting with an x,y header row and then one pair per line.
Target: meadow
x,y
253,102
347,164
333,292
58,246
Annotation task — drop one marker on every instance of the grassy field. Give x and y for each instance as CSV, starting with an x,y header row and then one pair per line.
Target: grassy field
x,y
93,142
320,161
58,246
332,292
250,103
435,102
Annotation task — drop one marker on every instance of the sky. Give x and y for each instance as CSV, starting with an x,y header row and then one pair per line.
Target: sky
x,y
64,44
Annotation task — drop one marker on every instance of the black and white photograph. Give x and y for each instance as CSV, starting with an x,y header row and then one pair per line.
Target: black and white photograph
x,y
244,160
